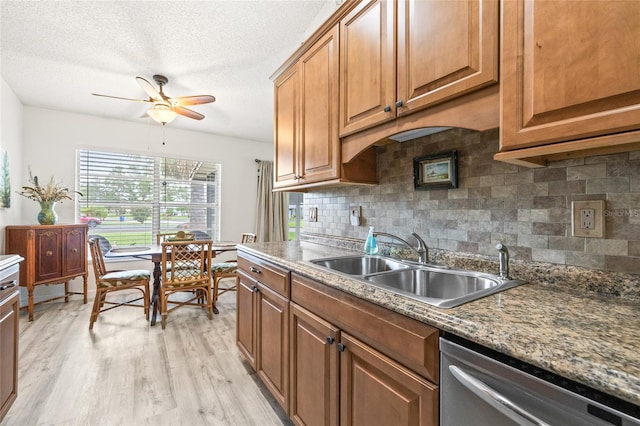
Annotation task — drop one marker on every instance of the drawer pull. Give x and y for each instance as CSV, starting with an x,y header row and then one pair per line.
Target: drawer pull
x,y
74,250
341,347
330,340
387,108
8,284
399,104
255,289
255,270
49,253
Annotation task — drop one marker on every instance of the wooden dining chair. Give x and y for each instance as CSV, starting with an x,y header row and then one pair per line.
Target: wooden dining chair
x,y
161,237
108,282
228,269
186,269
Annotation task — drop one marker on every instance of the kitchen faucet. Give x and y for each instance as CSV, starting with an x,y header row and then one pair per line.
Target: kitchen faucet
x,y
422,249
503,258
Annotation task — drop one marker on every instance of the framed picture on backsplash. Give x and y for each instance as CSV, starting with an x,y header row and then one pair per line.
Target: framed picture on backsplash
x,y
436,171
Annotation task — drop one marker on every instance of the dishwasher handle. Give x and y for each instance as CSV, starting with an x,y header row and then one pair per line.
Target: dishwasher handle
x,y
495,399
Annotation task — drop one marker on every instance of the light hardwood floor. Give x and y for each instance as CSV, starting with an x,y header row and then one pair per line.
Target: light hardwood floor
x,y
125,372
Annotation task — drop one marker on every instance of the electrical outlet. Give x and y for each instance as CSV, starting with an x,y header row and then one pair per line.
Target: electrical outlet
x,y
313,214
354,215
587,219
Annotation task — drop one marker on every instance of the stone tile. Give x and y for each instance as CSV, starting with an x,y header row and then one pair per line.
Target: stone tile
x,y
610,247
504,191
533,241
485,237
576,244
492,180
540,228
591,171
510,215
611,158
631,168
634,155
506,239
520,228
546,255
634,248
521,253
586,260
481,193
615,184
550,202
546,174
627,264
467,247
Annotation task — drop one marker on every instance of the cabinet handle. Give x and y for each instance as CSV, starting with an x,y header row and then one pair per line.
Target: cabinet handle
x,y
399,104
75,250
8,284
255,270
341,347
255,289
330,340
387,108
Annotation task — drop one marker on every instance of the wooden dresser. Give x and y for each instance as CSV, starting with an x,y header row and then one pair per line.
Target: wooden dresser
x,y
53,254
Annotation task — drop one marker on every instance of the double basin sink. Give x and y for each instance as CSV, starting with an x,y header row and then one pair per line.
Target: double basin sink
x,y
432,284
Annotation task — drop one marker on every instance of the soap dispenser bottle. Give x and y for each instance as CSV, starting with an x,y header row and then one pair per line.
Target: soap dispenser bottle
x,y
371,245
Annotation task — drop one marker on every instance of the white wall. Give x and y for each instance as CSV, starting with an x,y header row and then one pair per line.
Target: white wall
x,y
51,139
11,145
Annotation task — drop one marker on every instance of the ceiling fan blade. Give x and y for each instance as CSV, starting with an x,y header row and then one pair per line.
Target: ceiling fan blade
x,y
149,89
118,97
188,113
192,100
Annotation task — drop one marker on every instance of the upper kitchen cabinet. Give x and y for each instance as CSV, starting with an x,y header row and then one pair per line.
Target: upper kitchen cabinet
x,y
397,57
307,145
570,79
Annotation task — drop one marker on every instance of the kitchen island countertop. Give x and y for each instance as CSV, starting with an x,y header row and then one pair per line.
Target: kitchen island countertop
x,y
587,338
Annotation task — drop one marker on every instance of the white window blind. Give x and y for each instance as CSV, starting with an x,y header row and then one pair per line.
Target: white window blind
x,y
129,198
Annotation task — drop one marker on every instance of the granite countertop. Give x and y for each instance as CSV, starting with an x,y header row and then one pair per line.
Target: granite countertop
x,y
587,338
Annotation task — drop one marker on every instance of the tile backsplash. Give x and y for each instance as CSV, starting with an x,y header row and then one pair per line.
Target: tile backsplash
x,y
529,210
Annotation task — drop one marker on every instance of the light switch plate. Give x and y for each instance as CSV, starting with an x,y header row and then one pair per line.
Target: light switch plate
x,y
354,215
587,219
313,214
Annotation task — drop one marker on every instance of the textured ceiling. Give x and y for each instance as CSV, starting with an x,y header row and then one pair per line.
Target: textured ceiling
x,y
54,54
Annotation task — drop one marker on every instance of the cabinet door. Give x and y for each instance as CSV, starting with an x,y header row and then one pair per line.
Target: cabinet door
x,y
74,247
287,99
569,70
314,369
445,49
48,254
376,390
246,318
273,343
367,66
320,145
8,353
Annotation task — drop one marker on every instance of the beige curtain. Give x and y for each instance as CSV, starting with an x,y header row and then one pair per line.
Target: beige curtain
x,y
271,207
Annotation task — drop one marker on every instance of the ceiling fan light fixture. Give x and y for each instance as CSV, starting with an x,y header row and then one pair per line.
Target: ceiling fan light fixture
x,y
162,113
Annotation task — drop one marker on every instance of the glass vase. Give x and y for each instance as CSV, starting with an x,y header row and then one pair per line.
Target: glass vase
x,y
47,215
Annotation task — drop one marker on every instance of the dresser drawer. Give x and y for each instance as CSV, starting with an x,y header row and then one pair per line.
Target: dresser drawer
x,y
268,274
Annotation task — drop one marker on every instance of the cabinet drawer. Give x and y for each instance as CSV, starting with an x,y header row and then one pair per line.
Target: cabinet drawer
x,y
272,276
410,342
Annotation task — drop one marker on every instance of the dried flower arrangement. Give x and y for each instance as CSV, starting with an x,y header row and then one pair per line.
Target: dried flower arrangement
x,y
52,191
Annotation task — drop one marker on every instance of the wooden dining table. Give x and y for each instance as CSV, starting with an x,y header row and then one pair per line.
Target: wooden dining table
x,y
154,253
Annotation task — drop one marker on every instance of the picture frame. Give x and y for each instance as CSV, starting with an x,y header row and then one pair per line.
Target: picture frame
x,y
436,171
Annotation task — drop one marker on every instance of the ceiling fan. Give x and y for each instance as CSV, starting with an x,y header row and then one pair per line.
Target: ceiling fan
x,y
165,109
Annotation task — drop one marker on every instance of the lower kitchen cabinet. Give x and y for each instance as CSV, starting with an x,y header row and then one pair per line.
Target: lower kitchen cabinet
x,y
314,369
374,389
330,358
262,328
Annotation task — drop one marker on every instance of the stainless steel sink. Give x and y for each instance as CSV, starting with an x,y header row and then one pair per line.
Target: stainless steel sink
x,y
444,288
360,265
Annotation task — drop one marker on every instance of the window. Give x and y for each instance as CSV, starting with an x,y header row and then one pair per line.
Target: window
x,y
296,222
129,198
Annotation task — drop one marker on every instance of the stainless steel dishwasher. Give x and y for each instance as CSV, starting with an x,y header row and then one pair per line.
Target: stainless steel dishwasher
x,y
481,387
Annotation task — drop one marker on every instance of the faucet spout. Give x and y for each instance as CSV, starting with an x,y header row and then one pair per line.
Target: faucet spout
x,y
421,250
503,258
